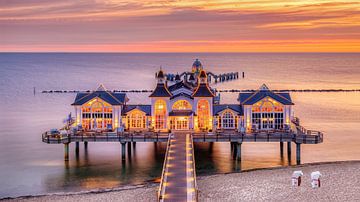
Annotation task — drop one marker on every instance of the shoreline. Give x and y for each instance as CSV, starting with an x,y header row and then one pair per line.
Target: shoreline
x,y
153,185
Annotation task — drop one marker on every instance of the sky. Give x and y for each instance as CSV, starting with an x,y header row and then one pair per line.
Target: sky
x,y
179,26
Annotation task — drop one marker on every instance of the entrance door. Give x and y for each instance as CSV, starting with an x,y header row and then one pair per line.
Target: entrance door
x,y
181,123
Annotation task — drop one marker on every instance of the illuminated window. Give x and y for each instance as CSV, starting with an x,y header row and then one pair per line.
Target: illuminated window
x,y
137,120
228,120
96,114
160,113
203,114
182,105
268,114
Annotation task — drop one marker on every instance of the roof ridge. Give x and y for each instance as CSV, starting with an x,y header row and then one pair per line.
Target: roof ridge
x,y
113,96
88,94
278,94
256,92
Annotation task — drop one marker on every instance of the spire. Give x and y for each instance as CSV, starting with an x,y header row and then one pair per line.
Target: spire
x,y
177,78
263,88
160,76
101,88
203,77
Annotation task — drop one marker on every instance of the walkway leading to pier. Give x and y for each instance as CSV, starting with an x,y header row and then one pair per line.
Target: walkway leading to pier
x,y
178,180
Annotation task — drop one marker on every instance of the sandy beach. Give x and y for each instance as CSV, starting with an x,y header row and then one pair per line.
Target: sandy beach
x,y
340,182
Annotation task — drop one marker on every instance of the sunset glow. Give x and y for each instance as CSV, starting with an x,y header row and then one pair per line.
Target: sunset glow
x,y
180,26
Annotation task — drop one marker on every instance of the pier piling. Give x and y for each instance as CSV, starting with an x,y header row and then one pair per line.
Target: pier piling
x,y
85,145
123,145
77,145
129,149
66,151
281,148
298,153
238,151
289,150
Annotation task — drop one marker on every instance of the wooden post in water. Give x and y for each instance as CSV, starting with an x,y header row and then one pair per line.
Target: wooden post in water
x,y
238,151
129,149
289,150
298,153
85,145
77,148
123,145
66,151
281,149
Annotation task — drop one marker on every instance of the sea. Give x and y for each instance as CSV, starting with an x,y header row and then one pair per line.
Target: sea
x,y
30,167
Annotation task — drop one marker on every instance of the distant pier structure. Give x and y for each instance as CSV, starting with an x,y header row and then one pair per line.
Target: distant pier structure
x,y
196,69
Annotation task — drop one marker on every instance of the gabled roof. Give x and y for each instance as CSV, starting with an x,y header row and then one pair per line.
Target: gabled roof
x,y
179,85
235,107
160,91
203,90
181,94
109,97
144,108
252,98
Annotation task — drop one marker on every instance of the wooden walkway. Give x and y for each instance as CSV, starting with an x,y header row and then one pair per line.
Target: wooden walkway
x,y
178,180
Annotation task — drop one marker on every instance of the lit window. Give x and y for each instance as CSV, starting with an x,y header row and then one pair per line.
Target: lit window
x,y
96,114
137,119
228,120
268,114
160,112
203,114
182,105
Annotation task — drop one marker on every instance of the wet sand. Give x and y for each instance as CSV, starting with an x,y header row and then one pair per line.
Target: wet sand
x,y
340,182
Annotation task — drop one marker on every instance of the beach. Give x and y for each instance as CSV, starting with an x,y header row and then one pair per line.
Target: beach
x,y
339,182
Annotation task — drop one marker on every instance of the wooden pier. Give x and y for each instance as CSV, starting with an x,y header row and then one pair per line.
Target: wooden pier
x,y
178,179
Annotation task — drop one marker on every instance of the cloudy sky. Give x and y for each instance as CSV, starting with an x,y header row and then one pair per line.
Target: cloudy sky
x,y
180,25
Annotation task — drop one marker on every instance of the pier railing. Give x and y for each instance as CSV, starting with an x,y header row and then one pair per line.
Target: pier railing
x,y
300,135
161,191
194,170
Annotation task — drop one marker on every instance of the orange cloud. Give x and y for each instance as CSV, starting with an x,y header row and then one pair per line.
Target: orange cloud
x,y
180,26
204,46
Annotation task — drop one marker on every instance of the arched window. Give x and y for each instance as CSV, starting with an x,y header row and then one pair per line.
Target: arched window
x,y
160,113
268,114
96,114
182,105
203,110
137,119
228,120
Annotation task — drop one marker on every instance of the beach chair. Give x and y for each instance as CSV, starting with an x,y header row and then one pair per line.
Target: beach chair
x,y
315,179
296,178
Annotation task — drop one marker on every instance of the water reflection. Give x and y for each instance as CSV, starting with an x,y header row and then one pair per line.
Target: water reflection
x,y
90,170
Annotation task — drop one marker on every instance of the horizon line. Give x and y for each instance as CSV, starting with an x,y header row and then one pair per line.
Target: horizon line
x,y
71,52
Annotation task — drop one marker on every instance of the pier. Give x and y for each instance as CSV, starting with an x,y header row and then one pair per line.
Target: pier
x,y
178,179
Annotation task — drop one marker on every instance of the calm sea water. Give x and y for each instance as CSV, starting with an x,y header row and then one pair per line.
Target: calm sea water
x,y
29,166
